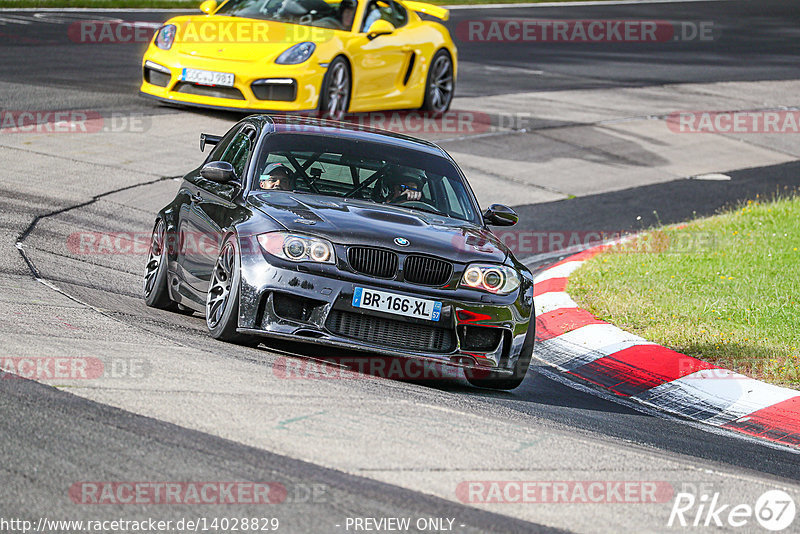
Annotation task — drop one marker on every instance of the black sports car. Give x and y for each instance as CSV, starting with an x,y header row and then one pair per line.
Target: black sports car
x,y
323,232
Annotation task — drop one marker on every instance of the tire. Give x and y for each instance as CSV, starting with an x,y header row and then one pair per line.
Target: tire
x,y
154,290
222,299
440,84
493,380
334,98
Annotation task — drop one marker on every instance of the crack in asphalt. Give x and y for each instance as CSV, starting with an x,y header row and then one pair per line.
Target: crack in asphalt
x,y
27,231
19,244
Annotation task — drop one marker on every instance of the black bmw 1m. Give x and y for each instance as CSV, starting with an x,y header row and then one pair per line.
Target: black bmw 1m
x,y
332,234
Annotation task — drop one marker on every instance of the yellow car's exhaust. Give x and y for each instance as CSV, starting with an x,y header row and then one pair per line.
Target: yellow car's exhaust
x,y
429,9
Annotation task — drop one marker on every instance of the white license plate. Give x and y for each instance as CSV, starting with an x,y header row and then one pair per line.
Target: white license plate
x,y
397,304
207,77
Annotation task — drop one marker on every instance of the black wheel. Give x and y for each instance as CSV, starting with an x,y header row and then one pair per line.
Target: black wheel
x,y
156,293
334,99
222,299
440,85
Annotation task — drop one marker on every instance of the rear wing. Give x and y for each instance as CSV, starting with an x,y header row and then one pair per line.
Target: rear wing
x,y
208,139
429,9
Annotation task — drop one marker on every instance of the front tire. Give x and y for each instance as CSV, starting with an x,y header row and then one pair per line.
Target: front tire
x,y
155,291
440,85
334,99
493,380
222,299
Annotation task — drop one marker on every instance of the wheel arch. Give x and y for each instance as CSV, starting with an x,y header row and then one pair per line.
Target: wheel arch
x,y
349,63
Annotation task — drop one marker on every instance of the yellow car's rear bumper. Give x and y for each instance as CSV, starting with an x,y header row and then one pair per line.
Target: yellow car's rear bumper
x,y
256,87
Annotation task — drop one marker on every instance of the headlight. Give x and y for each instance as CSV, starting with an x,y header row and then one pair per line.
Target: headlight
x,y
498,279
296,54
297,248
165,36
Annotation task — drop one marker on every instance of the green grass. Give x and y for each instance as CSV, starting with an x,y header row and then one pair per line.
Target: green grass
x,y
188,4
725,289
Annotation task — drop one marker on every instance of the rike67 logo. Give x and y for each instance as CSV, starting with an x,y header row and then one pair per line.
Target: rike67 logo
x,y
774,510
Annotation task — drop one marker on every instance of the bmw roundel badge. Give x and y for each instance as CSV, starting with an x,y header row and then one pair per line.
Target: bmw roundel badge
x,y
402,241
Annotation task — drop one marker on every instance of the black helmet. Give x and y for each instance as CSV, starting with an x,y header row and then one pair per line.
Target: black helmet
x,y
400,174
275,168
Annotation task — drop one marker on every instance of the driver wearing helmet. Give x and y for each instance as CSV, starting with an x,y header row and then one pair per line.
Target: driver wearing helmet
x,y
276,176
403,184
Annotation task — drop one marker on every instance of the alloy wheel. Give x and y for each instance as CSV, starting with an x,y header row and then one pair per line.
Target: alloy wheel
x,y
154,257
220,288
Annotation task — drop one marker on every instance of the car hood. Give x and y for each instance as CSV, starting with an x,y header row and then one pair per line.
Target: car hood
x,y
239,38
356,222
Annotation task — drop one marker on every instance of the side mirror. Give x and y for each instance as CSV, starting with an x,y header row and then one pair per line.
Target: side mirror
x,y
379,27
218,171
208,7
499,215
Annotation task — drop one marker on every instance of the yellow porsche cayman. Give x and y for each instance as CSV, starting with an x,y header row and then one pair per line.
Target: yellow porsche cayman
x,y
334,56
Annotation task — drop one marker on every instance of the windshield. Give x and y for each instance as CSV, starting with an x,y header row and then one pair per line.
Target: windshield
x,y
334,15
362,170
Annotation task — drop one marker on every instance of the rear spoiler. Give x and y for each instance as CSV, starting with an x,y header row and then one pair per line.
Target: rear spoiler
x,y
429,9
208,139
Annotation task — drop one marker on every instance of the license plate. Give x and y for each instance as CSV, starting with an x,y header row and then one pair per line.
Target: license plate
x,y
207,77
397,304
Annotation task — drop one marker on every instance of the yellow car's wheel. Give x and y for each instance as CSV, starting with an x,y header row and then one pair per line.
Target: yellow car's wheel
x,y
440,86
335,97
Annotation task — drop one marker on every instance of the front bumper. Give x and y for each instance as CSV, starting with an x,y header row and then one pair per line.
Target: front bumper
x,y
313,303
161,79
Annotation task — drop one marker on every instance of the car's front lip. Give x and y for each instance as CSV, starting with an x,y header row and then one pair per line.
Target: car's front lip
x,y
260,279
346,343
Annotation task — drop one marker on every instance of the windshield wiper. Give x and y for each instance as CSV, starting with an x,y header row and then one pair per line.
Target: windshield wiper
x,y
426,210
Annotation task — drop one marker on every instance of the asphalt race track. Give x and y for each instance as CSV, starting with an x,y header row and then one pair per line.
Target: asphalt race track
x,y
577,142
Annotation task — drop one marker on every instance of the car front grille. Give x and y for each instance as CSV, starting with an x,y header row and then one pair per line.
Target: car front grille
x,y
427,271
155,77
373,261
390,333
272,90
203,90
480,338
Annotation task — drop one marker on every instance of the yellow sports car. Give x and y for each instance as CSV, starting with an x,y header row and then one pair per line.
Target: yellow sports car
x,y
332,57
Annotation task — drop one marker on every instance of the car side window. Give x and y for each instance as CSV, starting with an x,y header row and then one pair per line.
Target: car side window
x,y
220,148
400,15
237,153
386,10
